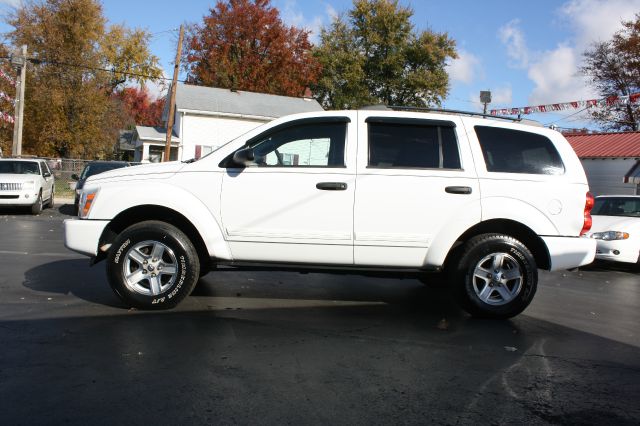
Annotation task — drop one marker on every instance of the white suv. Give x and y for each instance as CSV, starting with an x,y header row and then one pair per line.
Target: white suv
x,y
487,201
26,182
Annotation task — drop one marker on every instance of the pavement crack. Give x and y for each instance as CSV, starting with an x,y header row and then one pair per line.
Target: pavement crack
x,y
580,362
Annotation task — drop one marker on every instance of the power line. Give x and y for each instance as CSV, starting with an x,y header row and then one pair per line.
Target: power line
x,y
172,30
564,118
37,61
94,68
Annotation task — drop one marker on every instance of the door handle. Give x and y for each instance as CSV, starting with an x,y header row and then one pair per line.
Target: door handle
x,y
331,186
458,189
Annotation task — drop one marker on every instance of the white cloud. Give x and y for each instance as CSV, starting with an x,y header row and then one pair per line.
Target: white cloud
x,y
557,78
12,3
513,38
292,15
556,72
465,68
596,20
332,13
502,96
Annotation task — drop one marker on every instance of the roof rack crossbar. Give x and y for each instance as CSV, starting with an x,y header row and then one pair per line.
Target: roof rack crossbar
x,y
451,111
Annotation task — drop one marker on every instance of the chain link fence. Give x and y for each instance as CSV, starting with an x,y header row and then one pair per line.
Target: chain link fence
x,y
63,170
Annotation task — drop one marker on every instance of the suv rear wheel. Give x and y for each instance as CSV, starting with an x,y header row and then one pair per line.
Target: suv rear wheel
x,y
495,277
152,265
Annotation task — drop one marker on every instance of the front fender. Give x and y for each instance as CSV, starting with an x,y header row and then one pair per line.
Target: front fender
x,y
115,198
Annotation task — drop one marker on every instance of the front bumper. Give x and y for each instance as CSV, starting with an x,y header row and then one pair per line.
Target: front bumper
x,y
570,252
83,236
626,251
22,198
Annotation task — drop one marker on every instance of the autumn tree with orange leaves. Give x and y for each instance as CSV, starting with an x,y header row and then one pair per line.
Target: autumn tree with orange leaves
x,y
244,45
142,109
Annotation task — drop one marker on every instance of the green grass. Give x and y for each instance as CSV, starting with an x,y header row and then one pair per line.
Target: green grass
x,y
63,190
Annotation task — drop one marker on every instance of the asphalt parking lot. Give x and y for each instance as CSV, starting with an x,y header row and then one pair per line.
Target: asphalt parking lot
x,y
288,348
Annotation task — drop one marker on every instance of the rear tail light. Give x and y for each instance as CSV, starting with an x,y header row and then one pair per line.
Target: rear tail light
x,y
588,221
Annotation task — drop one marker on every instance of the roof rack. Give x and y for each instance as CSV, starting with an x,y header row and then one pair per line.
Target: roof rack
x,y
451,111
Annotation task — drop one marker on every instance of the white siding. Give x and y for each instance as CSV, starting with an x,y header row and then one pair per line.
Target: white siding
x,y
211,131
308,152
606,175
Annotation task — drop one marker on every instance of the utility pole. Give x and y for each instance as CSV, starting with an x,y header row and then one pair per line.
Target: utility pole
x,y
172,97
21,62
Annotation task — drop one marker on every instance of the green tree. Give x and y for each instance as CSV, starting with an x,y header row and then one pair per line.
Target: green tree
x,y
613,68
70,110
374,55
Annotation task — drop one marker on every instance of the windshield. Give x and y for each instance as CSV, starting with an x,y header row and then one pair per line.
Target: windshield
x,y
95,168
617,206
19,167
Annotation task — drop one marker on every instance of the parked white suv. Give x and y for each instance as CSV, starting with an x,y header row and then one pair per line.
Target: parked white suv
x,y
486,200
26,182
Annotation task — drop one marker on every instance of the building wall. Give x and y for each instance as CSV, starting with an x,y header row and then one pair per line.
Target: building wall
x,y
606,176
210,132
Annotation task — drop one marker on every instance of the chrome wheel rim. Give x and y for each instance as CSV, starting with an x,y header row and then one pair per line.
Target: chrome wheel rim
x,y
150,268
497,279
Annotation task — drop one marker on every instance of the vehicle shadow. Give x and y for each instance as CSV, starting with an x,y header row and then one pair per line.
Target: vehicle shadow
x,y
599,266
73,276
76,277
67,209
406,293
15,211
63,209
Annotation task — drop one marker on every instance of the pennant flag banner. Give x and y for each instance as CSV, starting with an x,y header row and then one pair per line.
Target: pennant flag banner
x,y
610,101
6,117
7,77
6,97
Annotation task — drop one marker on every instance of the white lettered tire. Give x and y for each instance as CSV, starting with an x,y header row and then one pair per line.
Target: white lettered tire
x,y
152,265
494,277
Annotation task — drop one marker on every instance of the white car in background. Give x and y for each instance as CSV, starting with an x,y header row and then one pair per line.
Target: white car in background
x,y
616,227
26,182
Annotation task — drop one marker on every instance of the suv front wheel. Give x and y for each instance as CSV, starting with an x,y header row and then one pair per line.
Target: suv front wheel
x,y
495,277
152,265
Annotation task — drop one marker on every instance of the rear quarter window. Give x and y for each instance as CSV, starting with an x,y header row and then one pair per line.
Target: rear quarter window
x,y
516,151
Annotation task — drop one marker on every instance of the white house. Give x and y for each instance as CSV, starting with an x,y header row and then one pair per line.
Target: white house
x,y
208,117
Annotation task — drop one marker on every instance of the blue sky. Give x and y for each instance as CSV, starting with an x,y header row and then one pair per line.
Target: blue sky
x,y
525,52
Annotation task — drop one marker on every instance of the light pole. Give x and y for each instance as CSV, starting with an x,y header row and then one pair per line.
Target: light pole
x,y
485,98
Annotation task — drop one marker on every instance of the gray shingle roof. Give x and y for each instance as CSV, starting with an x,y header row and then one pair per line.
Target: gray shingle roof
x,y
154,134
225,101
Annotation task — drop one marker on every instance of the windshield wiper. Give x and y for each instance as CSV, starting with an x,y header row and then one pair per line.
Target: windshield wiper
x,y
191,160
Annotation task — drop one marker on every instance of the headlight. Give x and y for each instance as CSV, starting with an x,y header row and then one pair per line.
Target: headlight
x,y
86,202
610,235
30,184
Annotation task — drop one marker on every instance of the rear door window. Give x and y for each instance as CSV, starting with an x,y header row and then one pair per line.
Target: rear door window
x,y
409,143
515,151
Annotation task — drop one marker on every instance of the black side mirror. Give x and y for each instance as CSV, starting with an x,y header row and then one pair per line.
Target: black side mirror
x,y
244,157
75,177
